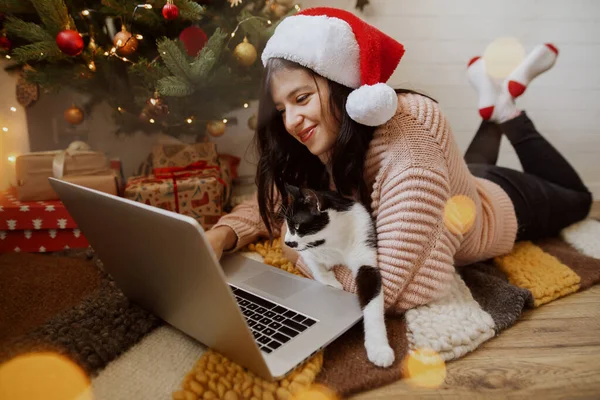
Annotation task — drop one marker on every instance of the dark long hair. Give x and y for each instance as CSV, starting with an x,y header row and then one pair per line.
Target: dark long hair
x,y
283,160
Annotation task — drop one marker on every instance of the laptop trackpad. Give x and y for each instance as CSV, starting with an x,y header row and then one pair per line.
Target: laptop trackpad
x,y
275,284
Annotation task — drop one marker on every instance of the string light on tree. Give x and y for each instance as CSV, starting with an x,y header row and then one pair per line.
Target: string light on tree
x,y
69,42
235,3
170,11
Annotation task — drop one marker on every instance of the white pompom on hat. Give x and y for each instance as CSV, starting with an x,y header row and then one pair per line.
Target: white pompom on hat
x,y
341,47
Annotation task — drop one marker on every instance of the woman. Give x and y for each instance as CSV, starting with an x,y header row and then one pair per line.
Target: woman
x,y
327,120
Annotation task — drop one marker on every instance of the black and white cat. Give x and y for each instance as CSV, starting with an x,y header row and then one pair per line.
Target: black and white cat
x,y
328,229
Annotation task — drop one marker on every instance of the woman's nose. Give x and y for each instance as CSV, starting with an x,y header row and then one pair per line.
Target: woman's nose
x,y
293,121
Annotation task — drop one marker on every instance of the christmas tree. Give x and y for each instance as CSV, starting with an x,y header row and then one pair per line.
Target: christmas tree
x,y
175,65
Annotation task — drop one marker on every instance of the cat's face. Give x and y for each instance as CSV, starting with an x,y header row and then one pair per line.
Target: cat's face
x,y
306,216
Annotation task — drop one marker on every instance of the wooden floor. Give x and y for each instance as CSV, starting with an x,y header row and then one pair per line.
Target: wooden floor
x,y
552,352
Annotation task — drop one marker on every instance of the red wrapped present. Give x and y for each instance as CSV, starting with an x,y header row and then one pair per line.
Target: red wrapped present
x,y
17,215
36,226
41,241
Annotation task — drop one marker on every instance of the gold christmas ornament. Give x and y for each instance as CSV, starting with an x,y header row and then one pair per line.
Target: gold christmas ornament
x,y
245,53
74,115
253,122
125,43
215,128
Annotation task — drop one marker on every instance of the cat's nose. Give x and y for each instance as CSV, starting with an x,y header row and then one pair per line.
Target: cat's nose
x,y
291,245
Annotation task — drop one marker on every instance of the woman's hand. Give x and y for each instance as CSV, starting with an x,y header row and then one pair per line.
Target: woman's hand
x,y
220,239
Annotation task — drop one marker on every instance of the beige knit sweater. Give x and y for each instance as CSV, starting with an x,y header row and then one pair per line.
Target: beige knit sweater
x,y
413,167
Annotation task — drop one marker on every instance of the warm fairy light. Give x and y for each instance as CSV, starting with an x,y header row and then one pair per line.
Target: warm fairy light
x,y
125,59
151,120
8,57
106,53
120,109
459,214
297,7
85,12
232,34
92,66
113,50
269,22
13,109
5,129
147,6
225,120
119,43
424,368
55,377
12,159
189,120
246,105
315,391
139,37
41,54
164,52
153,101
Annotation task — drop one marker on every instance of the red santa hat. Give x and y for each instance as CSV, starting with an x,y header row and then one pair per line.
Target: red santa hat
x,y
341,47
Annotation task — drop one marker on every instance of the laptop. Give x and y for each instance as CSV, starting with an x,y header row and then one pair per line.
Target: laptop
x,y
258,316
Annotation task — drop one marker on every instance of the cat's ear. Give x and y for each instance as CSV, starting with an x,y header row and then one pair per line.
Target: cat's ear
x,y
315,201
293,191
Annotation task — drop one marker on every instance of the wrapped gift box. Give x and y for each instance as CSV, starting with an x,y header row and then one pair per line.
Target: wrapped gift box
x,y
41,241
37,226
86,168
198,194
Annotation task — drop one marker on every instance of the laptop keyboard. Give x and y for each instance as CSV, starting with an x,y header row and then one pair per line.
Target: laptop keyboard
x,y
272,325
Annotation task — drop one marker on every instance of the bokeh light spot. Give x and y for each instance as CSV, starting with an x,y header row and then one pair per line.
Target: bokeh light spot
x,y
316,392
459,214
424,368
502,56
45,376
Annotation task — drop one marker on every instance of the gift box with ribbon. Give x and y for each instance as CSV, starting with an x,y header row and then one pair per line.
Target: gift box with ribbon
x,y
196,190
77,164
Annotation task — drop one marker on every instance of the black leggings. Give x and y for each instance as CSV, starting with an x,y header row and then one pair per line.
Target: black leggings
x,y
548,196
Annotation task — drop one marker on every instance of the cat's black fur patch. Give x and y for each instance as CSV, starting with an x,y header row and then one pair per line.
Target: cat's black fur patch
x,y
371,239
368,284
307,213
316,243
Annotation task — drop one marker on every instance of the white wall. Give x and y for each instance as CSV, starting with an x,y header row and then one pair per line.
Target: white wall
x,y
15,140
441,36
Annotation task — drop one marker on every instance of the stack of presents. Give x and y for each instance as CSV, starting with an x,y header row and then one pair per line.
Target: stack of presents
x,y
190,179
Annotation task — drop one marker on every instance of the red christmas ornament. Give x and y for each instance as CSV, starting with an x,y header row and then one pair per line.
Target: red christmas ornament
x,y
70,42
5,43
193,39
170,11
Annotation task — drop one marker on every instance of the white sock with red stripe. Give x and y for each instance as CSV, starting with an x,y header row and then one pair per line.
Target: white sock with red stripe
x,y
541,59
485,86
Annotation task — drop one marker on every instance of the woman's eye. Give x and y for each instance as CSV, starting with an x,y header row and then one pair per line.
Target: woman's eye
x,y
281,112
301,99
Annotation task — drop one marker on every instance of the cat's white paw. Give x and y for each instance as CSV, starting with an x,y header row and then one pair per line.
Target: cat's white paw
x,y
381,355
335,284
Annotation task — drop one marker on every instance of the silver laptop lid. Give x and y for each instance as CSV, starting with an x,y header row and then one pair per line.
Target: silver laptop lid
x,y
162,261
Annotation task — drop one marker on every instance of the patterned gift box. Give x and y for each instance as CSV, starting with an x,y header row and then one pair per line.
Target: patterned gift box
x,y
41,241
36,226
21,215
197,193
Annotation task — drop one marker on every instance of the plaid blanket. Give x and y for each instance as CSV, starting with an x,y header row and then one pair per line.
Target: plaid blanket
x,y
70,306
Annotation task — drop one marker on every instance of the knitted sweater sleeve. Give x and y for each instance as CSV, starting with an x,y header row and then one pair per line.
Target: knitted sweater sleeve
x,y
247,224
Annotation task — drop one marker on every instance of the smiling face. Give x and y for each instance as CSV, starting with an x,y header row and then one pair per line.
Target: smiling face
x,y
302,101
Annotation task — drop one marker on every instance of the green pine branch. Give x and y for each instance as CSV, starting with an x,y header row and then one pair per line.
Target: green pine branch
x,y
26,30
188,10
40,51
176,59
174,86
54,15
16,6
